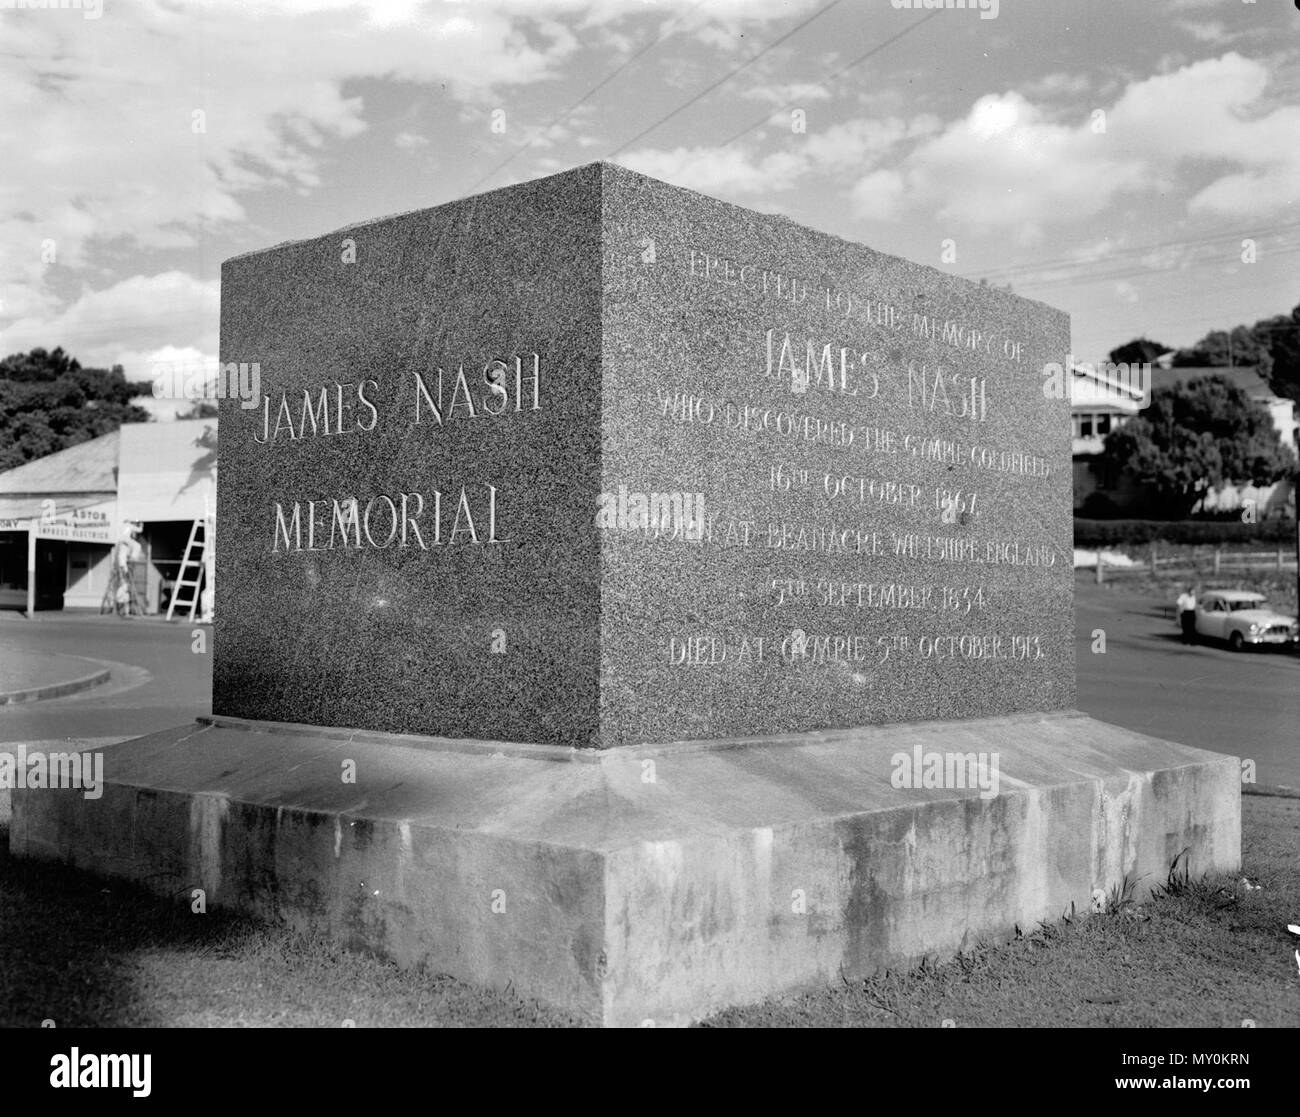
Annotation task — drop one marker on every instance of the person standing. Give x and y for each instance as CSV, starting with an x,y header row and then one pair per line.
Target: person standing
x,y
1187,615
122,599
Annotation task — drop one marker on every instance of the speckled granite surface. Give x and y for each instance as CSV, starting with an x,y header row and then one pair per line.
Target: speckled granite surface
x,y
385,636
777,620
891,433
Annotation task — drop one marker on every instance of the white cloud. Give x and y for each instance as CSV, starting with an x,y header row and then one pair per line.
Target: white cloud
x,y
1204,134
121,324
1125,292
878,195
740,172
712,170
790,94
1213,113
148,128
1057,85
1007,166
108,165
1207,31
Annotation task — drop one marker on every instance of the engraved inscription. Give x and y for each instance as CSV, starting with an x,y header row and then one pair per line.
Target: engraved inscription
x,y
446,396
404,520
323,412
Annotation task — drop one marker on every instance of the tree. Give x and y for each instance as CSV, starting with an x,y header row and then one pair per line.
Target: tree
x,y
1139,351
1196,437
202,409
48,402
1271,345
1282,335
1240,346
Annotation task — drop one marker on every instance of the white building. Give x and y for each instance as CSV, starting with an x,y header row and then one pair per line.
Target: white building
x,y
62,516
1100,402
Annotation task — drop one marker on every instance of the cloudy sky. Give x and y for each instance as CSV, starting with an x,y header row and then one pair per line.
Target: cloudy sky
x,y
1105,156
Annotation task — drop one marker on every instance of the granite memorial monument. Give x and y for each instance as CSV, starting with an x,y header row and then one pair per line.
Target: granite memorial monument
x,y
688,592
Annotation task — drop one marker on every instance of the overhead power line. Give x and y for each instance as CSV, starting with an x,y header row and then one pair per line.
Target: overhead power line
x,y
1011,270
1197,321
1138,272
564,114
758,123
724,79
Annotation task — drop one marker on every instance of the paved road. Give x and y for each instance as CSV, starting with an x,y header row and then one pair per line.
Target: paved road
x,y
1245,704
158,681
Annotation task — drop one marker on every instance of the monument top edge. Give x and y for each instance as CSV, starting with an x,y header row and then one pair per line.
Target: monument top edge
x,y
369,222
607,168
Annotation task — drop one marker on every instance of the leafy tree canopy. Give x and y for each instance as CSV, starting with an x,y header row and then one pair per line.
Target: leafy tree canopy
x,y
1139,351
1196,437
1224,348
48,402
1271,345
202,409
1282,335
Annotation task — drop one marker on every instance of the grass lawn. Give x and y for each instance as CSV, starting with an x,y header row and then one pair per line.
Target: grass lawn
x,y
80,951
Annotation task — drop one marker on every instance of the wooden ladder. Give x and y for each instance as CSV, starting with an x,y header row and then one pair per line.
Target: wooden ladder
x,y
193,557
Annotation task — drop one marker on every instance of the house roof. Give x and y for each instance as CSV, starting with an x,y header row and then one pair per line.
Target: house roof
x,y
1118,389
1084,375
88,467
1091,395
154,471
1245,377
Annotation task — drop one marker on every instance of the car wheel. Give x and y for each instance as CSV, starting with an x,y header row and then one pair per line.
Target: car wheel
x,y
1235,642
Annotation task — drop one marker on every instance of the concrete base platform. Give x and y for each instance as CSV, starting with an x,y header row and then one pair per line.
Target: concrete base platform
x,y
659,883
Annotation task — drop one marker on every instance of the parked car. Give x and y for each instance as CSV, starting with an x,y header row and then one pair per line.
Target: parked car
x,y
1242,618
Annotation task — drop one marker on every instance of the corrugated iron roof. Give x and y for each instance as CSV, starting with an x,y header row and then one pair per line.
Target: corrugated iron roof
x,y
88,467
157,471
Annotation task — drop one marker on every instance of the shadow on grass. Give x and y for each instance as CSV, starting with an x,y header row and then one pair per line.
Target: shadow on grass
x,y
69,943
88,952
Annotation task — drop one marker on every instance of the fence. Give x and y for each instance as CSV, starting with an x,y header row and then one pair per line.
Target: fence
x,y
1200,560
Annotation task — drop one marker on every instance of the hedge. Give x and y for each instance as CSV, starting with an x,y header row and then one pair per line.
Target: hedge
x,y
1109,533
